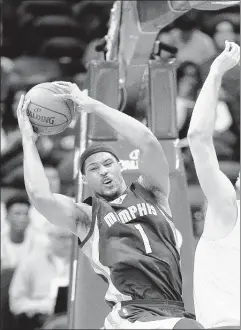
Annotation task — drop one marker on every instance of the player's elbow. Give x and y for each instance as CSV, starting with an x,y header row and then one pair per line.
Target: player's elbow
x,y
14,304
153,147
41,201
193,134
150,142
153,158
197,137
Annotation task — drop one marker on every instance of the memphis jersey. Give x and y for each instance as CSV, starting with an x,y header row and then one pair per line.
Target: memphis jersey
x,y
132,245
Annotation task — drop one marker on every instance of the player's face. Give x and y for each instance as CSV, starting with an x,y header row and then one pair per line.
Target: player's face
x,y
103,174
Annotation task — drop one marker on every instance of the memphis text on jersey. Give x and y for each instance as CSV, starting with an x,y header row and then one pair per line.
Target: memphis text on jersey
x,y
130,213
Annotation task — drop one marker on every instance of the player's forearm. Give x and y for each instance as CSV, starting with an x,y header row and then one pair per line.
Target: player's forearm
x,y
129,128
204,113
36,182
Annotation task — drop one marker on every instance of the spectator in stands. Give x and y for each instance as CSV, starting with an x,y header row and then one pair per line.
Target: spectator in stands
x,y
6,67
189,82
198,213
10,123
91,53
36,290
14,241
39,225
223,30
193,45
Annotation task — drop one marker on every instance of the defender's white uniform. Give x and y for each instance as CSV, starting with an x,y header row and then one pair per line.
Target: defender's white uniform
x,y
217,280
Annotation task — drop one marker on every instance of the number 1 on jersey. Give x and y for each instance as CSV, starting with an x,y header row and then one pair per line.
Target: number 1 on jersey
x,y
145,238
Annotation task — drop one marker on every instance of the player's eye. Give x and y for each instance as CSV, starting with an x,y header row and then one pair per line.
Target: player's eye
x,y
93,168
108,163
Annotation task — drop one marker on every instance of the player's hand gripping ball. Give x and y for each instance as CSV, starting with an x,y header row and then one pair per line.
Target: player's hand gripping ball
x,y
69,91
47,113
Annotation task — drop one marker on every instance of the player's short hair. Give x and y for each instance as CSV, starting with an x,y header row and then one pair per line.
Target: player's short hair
x,y
16,199
93,149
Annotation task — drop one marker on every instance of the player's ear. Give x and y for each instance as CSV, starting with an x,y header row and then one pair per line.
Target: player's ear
x,y
84,180
121,166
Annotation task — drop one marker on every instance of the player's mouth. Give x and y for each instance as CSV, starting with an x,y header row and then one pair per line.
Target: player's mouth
x,y
107,182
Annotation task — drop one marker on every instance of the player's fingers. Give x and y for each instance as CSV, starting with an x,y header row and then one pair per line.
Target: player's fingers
x,y
60,84
62,89
20,105
25,106
234,48
227,46
64,83
237,50
235,53
36,136
23,110
64,96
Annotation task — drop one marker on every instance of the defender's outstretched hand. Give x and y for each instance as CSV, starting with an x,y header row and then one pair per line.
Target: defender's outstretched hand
x,y
25,126
229,58
72,92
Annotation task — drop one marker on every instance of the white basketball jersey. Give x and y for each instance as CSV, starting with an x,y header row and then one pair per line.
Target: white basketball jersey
x,y
217,280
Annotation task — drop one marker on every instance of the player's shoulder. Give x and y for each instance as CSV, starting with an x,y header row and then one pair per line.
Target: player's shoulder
x,y
152,194
84,209
220,225
228,210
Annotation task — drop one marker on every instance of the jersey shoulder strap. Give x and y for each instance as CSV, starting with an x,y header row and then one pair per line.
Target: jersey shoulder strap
x,y
92,201
141,191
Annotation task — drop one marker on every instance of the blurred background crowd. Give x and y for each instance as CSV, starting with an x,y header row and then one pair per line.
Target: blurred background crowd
x,y
55,40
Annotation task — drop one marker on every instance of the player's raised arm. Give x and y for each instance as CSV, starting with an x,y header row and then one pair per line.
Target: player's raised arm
x,y
216,186
153,163
57,208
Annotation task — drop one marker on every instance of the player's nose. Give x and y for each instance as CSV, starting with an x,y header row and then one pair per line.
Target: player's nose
x,y
103,171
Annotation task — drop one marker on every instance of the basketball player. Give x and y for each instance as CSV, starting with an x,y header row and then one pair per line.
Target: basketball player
x,y
126,232
217,265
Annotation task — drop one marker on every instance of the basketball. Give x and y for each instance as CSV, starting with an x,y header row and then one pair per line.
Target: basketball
x,y
47,113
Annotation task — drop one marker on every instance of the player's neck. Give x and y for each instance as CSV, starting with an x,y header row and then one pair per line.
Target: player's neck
x,y
116,195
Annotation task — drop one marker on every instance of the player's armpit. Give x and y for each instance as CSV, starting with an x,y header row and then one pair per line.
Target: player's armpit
x,y
154,167
217,188
62,211
83,220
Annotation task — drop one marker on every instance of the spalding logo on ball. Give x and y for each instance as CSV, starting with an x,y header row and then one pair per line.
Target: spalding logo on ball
x,y
47,113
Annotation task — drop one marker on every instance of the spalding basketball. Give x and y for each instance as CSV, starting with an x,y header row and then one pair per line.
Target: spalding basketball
x,y
47,113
